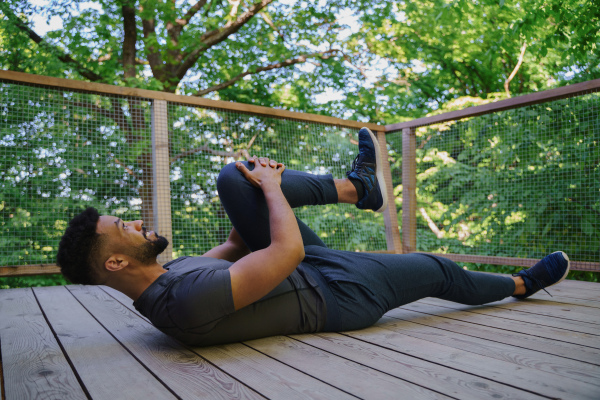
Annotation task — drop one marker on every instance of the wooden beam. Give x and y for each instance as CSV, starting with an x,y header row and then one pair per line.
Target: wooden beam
x,y
515,102
102,88
409,190
161,189
390,215
25,270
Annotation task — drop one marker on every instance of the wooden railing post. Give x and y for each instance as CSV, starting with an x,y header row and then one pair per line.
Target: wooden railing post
x,y
409,191
161,190
390,215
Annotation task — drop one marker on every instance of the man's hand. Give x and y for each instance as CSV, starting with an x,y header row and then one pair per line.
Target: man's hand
x,y
265,171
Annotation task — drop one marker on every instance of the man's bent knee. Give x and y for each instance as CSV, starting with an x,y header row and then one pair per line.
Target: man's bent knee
x,y
229,177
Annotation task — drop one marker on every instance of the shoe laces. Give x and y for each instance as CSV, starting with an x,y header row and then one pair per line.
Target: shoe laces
x,y
536,281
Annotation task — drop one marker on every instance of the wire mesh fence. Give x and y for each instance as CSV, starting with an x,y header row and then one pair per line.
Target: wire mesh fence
x,y
205,140
62,151
518,183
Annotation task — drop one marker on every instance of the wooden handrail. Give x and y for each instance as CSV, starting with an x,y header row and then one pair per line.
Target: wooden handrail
x,y
102,88
515,102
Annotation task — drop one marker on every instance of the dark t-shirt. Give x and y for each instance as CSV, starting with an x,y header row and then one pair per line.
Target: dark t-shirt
x,y
192,302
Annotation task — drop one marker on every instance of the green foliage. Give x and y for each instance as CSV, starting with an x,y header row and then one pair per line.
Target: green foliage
x,y
505,184
10,282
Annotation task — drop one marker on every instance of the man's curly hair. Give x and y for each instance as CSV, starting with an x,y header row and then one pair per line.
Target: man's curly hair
x,y
79,248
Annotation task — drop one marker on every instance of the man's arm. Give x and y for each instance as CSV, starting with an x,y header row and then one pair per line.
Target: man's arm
x,y
256,274
232,250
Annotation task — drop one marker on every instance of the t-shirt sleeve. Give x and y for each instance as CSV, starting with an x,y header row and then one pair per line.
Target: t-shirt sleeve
x,y
201,299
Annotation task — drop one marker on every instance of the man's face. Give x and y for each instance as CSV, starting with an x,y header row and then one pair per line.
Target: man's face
x,y
131,238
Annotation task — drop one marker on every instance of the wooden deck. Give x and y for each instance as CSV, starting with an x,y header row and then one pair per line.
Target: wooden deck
x,y
79,342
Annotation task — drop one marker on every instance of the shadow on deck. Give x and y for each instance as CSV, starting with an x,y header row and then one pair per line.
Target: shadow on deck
x,y
89,342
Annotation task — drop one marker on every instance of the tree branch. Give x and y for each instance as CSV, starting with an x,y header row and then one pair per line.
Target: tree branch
x,y
237,154
152,52
282,64
515,70
62,56
216,36
129,41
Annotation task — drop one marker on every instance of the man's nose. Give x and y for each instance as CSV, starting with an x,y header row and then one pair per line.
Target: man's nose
x,y
138,224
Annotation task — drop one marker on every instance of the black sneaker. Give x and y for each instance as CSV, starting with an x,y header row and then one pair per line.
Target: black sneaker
x,y
549,271
367,168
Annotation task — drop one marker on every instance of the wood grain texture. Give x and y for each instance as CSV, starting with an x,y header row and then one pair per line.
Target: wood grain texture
x,y
493,310
515,102
340,372
106,369
26,270
34,366
488,328
269,377
529,328
187,374
412,369
539,382
519,356
102,88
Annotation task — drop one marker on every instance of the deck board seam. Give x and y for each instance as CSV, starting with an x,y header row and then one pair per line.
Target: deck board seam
x,y
454,368
125,347
299,370
497,341
520,311
62,348
376,369
191,349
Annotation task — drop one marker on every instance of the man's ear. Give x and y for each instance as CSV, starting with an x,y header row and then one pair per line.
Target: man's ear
x,y
116,262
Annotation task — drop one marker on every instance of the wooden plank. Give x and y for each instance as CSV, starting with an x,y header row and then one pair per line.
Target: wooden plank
x,y
515,102
267,376
531,328
409,191
390,215
519,356
106,369
421,372
558,310
33,364
188,376
494,310
535,381
161,183
101,88
26,270
340,372
475,325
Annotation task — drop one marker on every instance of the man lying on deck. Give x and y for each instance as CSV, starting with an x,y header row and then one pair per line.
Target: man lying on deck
x,y
273,275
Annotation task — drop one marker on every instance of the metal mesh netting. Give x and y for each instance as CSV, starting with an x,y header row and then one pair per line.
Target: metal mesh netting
x,y
518,183
60,152
204,140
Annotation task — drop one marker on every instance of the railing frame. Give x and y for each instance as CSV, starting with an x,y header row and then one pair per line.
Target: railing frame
x,y
395,244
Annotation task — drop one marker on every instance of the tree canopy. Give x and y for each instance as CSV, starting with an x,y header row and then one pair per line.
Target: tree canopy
x,y
386,61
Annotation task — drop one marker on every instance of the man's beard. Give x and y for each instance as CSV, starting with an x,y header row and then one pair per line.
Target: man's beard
x,y
147,252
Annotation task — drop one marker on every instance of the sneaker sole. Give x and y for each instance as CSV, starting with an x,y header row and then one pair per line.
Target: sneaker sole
x,y
379,172
566,257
